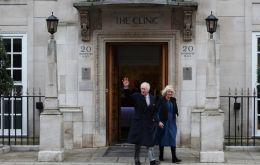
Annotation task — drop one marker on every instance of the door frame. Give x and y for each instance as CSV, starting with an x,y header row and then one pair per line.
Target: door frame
x,y
100,38
110,57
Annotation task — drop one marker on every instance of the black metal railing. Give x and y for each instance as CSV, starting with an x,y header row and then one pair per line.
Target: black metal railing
x,y
240,117
19,118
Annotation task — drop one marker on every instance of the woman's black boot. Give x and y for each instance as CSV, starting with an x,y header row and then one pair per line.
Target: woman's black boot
x,y
161,153
174,158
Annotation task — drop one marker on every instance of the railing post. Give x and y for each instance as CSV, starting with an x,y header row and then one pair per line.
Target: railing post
x,y
33,117
15,116
2,116
235,121
229,116
248,103
242,116
28,132
254,114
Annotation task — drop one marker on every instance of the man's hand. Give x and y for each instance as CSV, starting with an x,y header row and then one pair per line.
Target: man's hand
x,y
125,82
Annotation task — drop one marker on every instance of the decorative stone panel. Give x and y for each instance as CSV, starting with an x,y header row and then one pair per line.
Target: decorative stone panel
x,y
187,29
84,23
72,117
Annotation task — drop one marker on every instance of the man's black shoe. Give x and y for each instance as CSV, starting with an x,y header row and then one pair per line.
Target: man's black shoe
x,y
155,162
138,163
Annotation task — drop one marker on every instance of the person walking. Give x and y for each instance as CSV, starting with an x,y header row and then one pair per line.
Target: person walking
x,y
143,123
167,111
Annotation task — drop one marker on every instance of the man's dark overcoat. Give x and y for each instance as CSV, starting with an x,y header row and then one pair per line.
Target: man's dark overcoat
x,y
143,123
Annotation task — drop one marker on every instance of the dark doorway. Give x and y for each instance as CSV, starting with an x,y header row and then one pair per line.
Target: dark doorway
x,y
139,62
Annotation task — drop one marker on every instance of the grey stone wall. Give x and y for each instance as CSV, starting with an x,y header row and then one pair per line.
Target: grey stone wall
x,y
237,20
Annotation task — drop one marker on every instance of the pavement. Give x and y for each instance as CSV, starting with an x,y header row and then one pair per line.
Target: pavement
x,y
124,155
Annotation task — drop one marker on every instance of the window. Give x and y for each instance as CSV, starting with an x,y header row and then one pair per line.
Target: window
x,y
13,109
256,77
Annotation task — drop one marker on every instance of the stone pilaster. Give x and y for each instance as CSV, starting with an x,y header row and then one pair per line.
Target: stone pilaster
x,y
212,136
51,120
212,118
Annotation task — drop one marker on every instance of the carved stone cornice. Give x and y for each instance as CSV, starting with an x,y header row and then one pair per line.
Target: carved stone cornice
x,y
87,7
187,29
173,3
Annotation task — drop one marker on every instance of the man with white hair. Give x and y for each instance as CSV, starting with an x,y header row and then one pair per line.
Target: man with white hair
x,y
143,123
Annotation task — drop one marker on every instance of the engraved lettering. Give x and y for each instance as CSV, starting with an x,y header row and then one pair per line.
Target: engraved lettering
x,y
122,20
137,20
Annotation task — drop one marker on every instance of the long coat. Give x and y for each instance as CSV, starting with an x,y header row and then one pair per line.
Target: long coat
x,y
166,113
143,123
163,114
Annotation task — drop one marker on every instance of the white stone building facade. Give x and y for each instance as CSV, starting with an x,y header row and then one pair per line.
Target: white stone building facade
x,y
98,42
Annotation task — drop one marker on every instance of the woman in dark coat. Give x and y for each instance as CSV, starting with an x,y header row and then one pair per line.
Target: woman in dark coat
x,y
143,123
166,116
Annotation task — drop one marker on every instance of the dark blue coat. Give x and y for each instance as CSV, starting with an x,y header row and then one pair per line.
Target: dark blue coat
x,y
143,123
166,113
163,113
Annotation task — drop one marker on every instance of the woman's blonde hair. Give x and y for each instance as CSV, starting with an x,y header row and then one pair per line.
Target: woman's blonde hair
x,y
167,88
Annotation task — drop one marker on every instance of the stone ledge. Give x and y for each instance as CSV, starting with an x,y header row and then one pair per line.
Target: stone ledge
x,y
51,156
24,147
242,148
4,149
14,2
212,157
70,109
134,3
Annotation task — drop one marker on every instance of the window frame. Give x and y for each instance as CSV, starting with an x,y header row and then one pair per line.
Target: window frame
x,y
255,52
22,83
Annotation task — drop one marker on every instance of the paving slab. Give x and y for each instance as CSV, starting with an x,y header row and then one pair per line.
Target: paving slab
x,y
123,155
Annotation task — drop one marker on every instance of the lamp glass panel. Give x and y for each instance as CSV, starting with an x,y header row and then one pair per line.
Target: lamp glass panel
x,y
52,26
55,24
48,26
211,25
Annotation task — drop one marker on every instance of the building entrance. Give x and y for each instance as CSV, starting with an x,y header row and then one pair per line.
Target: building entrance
x,y
139,62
